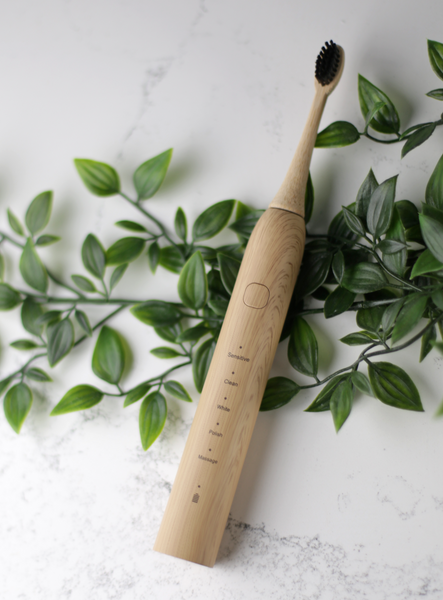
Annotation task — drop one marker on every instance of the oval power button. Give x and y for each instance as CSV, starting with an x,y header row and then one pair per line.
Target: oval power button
x,y
256,295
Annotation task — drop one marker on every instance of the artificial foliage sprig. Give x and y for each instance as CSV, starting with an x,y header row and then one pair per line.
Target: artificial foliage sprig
x,y
380,258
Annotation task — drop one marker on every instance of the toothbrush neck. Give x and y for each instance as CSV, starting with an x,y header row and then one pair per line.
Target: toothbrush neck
x,y
291,195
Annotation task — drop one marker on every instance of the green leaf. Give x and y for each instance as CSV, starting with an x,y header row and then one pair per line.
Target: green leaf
x,y
136,393
150,175
49,317
37,375
434,188
83,283
439,412
411,130
168,333
4,384
93,256
124,250
202,360
417,138
303,348
132,226
372,112
339,229
15,224
338,266
229,268
408,213
212,220
152,417
82,319
2,267
117,274
381,206
436,94
309,199
100,179
365,192
437,299
32,269
390,314
432,231
338,302
425,263
193,283
435,53
31,311
370,318
337,135
386,120
427,342
215,285
279,391
393,386
242,210
361,382
108,359
433,212
9,298
156,313
322,401
219,306
353,222
60,340
174,388
180,224
47,240
193,334
24,345
409,316
79,397
165,352
244,225
17,404
315,268
363,278
389,247
359,338
341,402
171,258
39,212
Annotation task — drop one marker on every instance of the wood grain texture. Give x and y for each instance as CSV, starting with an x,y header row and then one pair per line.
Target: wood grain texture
x,y
215,451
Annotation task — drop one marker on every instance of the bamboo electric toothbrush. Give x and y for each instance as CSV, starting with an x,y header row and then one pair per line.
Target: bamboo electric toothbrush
x,y
198,508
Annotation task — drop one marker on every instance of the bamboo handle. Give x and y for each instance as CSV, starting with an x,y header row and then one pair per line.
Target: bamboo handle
x,y
215,451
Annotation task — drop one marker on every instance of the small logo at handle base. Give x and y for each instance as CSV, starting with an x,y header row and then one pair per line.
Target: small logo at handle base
x,y
196,498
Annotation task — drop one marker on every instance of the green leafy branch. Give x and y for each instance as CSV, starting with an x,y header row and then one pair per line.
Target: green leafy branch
x,y
206,278
381,116
380,258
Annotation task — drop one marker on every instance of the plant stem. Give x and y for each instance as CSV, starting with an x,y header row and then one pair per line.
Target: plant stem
x,y
393,275
61,284
5,236
154,220
97,325
374,139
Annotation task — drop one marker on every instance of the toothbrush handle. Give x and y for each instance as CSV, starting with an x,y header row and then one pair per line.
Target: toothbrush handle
x,y
202,494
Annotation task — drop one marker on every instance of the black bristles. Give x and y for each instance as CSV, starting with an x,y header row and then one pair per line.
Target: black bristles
x,y
327,63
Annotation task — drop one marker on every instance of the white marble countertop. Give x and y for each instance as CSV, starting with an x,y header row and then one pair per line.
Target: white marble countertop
x,y
228,84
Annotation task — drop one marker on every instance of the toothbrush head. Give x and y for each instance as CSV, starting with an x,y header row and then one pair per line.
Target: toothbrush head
x,y
329,66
